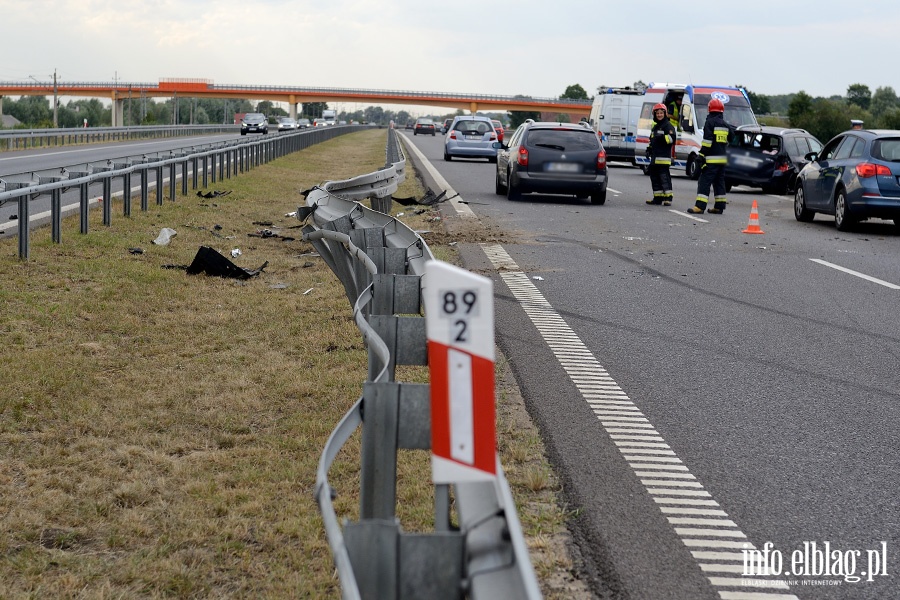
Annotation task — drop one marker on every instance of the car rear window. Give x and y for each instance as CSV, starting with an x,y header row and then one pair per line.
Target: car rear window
x,y
887,149
564,139
762,142
474,126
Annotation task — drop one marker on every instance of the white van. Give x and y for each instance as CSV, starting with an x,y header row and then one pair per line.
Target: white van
x,y
614,115
692,117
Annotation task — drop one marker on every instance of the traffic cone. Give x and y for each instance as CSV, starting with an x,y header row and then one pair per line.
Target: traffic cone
x,y
753,225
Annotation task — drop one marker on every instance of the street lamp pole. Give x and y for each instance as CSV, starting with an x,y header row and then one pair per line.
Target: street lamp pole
x,y
55,102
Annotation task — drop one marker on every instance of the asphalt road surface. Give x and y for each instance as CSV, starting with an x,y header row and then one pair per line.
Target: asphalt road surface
x,y
703,392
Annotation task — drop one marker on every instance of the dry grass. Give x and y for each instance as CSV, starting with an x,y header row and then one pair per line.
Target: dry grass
x,y
160,432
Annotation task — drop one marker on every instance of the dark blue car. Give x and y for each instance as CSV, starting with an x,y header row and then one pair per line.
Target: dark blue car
x,y
854,177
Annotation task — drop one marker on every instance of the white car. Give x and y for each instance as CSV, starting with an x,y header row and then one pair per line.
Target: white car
x,y
287,124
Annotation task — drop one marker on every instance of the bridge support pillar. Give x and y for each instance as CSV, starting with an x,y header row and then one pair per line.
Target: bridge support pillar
x,y
292,106
473,107
118,112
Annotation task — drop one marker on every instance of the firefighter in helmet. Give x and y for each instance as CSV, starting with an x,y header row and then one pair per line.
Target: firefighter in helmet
x,y
659,151
712,157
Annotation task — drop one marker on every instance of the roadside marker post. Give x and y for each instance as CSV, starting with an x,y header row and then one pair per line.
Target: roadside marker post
x,y
459,313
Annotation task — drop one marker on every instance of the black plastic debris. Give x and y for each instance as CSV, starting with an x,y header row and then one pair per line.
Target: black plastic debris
x,y
429,199
136,250
214,264
213,194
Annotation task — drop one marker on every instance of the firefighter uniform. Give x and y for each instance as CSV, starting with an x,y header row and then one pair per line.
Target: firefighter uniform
x,y
674,111
662,141
716,133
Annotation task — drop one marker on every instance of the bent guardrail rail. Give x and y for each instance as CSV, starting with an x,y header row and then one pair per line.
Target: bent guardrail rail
x,y
381,263
217,162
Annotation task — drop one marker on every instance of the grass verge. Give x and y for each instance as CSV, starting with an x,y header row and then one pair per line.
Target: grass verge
x,y
160,432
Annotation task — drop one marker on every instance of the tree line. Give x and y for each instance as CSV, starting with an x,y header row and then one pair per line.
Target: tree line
x,y
822,117
37,112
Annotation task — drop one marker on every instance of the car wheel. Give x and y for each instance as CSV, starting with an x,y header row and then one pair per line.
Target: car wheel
x,y
499,188
598,197
842,218
492,159
243,133
693,168
447,157
512,192
801,213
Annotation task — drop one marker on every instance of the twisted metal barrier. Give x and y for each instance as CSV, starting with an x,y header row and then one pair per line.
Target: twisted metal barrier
x,y
218,162
381,264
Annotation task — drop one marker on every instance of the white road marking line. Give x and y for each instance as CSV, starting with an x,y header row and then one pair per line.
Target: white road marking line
x,y
719,544
687,215
647,453
856,274
710,532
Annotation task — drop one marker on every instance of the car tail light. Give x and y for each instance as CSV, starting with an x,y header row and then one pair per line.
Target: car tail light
x,y
601,160
493,137
453,135
522,157
866,170
784,165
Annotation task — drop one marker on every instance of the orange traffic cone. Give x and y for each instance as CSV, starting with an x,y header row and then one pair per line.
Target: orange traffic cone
x,y
753,226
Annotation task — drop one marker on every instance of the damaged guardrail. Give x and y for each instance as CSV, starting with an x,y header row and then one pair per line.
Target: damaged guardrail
x,y
381,263
219,162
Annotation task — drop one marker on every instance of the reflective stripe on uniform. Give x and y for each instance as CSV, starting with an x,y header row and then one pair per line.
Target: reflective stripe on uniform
x,y
706,143
662,161
716,160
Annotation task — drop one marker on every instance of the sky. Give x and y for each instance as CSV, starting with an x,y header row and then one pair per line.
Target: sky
x,y
529,47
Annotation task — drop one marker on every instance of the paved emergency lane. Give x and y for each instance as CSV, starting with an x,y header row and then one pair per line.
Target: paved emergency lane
x,y
767,376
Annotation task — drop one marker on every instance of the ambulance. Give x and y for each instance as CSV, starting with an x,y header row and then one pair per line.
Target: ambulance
x,y
692,116
614,116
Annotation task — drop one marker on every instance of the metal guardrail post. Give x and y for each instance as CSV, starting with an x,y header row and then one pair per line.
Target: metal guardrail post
x,y
56,215
173,181
24,219
145,189
205,175
158,173
107,201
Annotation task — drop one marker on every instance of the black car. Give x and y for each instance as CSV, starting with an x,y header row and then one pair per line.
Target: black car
x,y
768,157
552,158
424,126
254,123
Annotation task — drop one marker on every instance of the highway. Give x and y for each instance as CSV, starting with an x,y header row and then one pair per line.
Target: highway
x,y
700,388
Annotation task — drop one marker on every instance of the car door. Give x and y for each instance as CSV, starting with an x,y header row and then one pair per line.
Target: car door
x,y
819,173
504,156
833,172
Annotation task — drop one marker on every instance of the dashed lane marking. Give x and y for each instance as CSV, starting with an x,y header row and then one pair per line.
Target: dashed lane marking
x,y
713,539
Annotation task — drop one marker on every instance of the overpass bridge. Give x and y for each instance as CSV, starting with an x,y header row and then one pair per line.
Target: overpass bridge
x,y
118,92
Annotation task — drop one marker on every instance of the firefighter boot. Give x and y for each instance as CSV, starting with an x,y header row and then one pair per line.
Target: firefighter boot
x,y
656,200
717,209
698,208
667,200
